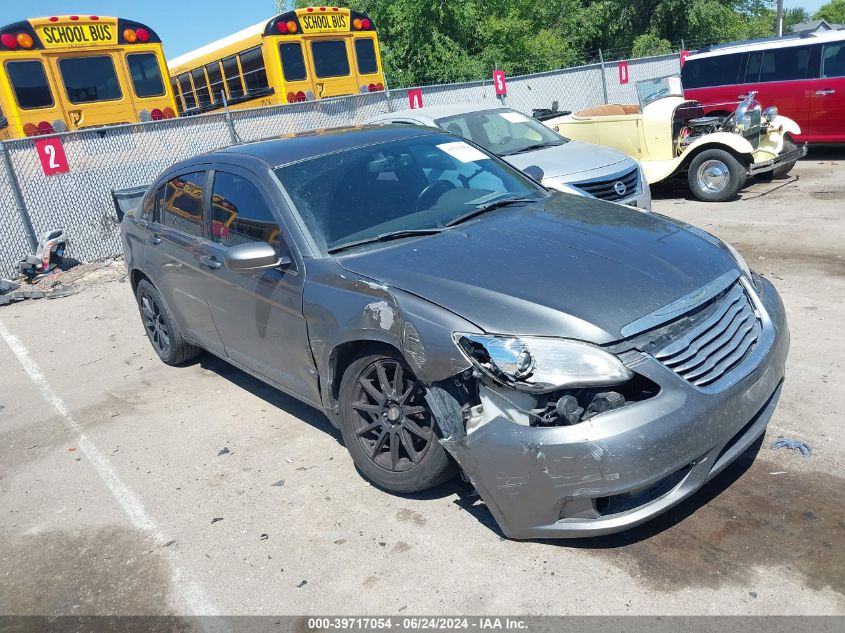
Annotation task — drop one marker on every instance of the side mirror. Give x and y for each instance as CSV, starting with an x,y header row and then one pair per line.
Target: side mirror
x,y
535,172
252,257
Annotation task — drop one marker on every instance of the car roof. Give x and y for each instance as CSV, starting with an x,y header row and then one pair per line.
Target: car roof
x,y
438,112
291,148
786,41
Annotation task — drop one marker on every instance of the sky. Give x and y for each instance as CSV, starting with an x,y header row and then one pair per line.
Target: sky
x,y
184,25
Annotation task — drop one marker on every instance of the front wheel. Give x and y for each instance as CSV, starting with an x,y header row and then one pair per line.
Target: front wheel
x,y
388,427
715,175
782,171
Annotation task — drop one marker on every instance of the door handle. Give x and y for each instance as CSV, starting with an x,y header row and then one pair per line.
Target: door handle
x,y
825,92
155,240
211,262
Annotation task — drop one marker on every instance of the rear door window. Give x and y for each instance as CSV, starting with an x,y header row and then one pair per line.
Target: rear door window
x,y
90,79
293,61
722,70
255,75
233,77
146,75
833,60
365,52
239,213
782,64
180,203
29,81
330,58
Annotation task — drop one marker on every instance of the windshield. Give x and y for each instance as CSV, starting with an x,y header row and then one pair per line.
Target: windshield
x,y
501,131
410,185
650,90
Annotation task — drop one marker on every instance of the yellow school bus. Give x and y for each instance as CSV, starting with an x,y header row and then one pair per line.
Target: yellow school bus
x,y
72,72
300,55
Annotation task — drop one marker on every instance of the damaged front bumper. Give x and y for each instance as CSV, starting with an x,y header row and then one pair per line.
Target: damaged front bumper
x,y
624,467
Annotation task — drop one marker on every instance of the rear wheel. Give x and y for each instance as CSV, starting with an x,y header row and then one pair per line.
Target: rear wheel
x,y
782,171
715,175
161,328
388,427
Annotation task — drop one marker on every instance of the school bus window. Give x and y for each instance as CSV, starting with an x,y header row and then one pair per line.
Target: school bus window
x,y
365,51
146,75
233,77
330,58
187,91
215,78
89,79
201,87
293,62
29,81
255,75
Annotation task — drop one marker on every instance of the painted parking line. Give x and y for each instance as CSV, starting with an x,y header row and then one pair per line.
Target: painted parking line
x,y
193,596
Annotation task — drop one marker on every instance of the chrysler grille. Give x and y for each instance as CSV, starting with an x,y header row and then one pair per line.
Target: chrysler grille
x,y
716,345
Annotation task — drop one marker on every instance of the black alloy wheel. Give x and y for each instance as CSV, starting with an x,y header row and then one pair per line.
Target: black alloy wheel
x,y
388,427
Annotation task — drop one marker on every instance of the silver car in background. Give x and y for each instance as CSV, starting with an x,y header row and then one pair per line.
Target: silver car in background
x,y
570,166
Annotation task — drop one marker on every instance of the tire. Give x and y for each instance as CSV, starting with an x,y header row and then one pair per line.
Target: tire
x,y
390,432
161,327
715,175
782,171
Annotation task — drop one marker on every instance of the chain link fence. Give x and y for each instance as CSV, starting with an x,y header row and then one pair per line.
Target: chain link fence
x,y
126,156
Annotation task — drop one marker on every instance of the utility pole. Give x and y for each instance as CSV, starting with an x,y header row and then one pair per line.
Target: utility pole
x,y
779,19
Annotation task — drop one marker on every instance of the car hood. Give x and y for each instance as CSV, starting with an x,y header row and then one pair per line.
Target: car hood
x,y
565,266
573,161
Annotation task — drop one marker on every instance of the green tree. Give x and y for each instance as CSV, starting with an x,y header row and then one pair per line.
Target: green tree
x,y
833,12
650,44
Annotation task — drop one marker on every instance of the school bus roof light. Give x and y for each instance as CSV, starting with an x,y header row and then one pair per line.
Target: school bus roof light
x,y
74,18
365,24
143,35
54,19
9,41
130,36
93,18
292,27
25,40
357,24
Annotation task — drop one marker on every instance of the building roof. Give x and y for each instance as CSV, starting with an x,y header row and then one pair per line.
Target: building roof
x,y
816,25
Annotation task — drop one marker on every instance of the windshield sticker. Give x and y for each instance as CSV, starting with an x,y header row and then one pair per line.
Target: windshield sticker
x,y
513,117
462,151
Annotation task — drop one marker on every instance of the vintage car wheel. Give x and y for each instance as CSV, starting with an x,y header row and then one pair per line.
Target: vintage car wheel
x,y
783,170
715,175
388,427
161,328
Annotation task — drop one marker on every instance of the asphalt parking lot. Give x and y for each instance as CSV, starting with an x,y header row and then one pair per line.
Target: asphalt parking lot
x,y
130,487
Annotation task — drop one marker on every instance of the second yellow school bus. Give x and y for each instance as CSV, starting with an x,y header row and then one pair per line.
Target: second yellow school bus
x,y
61,73
300,55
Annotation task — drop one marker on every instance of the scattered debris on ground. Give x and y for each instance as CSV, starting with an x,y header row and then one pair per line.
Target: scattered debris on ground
x,y
216,519
788,442
279,483
63,283
224,451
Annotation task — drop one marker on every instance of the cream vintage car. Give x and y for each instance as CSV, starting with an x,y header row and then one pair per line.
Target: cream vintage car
x,y
670,136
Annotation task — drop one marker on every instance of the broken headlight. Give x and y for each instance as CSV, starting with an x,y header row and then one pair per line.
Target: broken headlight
x,y
542,364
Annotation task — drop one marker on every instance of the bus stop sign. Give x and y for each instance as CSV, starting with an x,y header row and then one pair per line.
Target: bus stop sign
x,y
499,83
51,152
